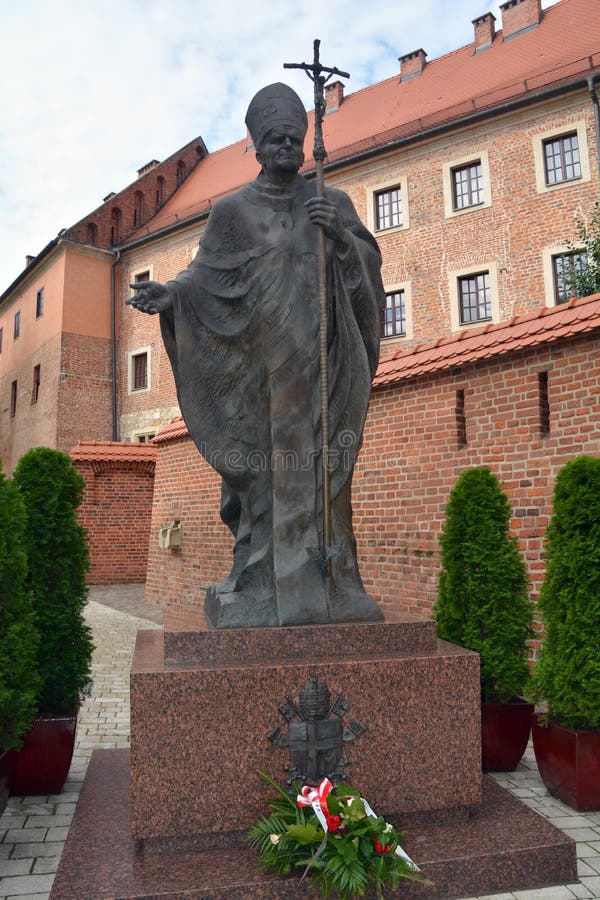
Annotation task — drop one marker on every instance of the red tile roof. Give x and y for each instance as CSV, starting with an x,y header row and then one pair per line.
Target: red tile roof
x,y
520,333
565,47
175,429
113,451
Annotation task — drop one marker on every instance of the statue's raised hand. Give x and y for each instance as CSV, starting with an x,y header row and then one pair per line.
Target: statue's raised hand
x,y
150,297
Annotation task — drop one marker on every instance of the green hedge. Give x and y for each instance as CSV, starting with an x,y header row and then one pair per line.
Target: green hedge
x,y
567,675
19,677
58,560
483,602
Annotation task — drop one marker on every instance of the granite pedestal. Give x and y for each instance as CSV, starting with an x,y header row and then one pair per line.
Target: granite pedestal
x,y
169,820
202,704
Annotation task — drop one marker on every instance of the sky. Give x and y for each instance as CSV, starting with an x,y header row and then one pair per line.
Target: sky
x,y
91,91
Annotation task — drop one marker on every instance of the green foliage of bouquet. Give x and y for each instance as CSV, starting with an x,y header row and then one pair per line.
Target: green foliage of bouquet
x,y
356,849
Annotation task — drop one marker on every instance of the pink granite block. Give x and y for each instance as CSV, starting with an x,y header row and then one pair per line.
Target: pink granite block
x,y
199,726
503,846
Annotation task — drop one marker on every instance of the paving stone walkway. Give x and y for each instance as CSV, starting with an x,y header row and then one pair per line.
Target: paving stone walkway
x,y
33,829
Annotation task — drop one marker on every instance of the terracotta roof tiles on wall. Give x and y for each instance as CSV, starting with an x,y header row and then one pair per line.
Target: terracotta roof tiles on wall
x,y
113,451
520,333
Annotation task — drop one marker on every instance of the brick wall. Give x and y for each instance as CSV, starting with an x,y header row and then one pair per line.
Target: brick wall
x,y
84,394
186,488
116,511
409,462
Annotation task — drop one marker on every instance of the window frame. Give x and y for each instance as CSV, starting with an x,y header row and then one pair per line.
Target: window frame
x,y
37,380
539,142
39,303
17,325
375,190
13,398
454,276
549,255
486,292
131,357
561,139
403,287
480,157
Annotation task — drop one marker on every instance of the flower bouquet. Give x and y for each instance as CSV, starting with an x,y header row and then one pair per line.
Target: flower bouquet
x,y
334,835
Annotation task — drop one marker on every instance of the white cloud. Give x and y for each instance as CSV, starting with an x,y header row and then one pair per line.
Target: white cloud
x,y
91,92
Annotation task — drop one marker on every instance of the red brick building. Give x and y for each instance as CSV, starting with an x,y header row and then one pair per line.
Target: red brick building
x,y
470,169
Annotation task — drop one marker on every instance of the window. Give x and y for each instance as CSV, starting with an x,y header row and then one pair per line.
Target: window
x,y
467,185
140,371
565,266
388,209
13,398
92,234
138,210
160,191
393,316
181,171
17,325
387,205
561,158
143,437
35,390
115,225
141,276
475,303
39,303
1,332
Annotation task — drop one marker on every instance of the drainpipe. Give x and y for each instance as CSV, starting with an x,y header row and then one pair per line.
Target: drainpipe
x,y
113,340
590,82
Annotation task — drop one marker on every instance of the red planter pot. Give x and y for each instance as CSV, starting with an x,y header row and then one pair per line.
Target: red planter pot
x,y
44,760
505,729
569,763
8,767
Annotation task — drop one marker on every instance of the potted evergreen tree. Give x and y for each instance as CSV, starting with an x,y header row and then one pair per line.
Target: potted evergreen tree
x,y
566,739
483,604
19,678
58,559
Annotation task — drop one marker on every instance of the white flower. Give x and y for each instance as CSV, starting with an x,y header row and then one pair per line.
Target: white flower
x,y
275,838
387,828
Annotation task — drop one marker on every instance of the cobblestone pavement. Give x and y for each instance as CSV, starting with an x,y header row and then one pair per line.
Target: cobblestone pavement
x,y
33,829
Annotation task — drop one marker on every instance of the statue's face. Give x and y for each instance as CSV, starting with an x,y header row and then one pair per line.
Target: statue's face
x,y
281,151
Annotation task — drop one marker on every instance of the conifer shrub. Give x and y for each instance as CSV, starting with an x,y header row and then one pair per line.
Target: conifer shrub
x,y
567,675
19,677
58,560
483,602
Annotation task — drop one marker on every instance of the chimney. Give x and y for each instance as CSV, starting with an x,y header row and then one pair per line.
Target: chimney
x,y
412,64
148,167
519,16
109,197
28,260
334,96
485,31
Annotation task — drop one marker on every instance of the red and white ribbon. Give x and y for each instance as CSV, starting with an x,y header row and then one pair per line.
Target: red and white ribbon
x,y
317,798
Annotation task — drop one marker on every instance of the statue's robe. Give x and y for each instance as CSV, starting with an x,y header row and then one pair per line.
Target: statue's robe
x,y
243,339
